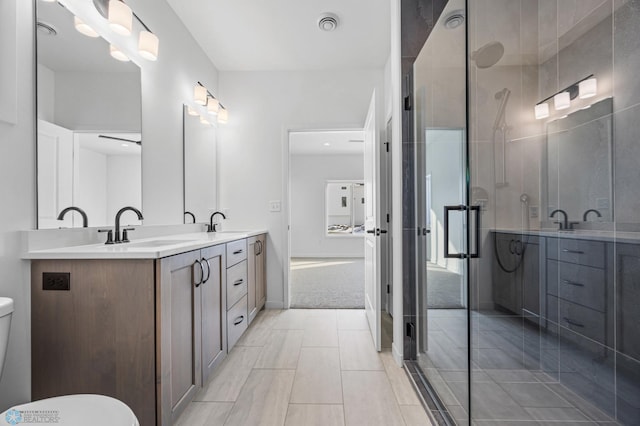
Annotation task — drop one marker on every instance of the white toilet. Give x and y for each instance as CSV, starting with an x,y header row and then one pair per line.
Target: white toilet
x,y
69,410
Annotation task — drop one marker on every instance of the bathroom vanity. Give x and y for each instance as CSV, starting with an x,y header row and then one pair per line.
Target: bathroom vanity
x,y
145,322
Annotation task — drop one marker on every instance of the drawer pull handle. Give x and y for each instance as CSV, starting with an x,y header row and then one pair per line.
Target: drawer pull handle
x,y
573,323
238,282
573,283
238,320
572,251
238,251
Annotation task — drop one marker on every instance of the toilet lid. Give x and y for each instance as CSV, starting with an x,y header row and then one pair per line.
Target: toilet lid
x,y
71,410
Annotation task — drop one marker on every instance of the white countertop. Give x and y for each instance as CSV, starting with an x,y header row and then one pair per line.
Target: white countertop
x,y
579,234
147,248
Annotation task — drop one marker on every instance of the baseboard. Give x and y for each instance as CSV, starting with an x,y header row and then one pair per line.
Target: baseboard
x,y
397,354
274,305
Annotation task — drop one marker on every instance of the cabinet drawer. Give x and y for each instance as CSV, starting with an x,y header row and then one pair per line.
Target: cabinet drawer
x,y
236,322
236,252
581,252
236,283
577,283
585,321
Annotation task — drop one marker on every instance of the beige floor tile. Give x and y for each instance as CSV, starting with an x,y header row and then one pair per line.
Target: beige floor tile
x,y
318,379
369,400
291,319
256,335
414,415
357,351
227,380
267,317
314,415
321,319
352,319
320,337
264,399
282,350
205,414
402,387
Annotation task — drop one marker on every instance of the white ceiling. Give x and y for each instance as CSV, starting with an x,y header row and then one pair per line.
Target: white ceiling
x,y
283,34
339,142
106,146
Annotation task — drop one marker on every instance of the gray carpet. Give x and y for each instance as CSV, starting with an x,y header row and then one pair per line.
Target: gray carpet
x,y
443,288
330,283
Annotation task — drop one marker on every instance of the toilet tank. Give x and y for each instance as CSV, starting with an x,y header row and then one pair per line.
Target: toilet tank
x,y
6,309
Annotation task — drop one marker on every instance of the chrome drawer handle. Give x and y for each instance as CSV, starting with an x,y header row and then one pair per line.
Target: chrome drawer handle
x,y
572,251
573,283
574,323
238,320
238,251
238,282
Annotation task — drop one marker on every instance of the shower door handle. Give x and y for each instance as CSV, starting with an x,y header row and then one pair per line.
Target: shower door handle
x,y
476,210
447,210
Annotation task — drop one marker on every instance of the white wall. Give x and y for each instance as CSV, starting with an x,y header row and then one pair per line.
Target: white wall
x,y
92,186
46,94
123,186
263,106
309,174
18,192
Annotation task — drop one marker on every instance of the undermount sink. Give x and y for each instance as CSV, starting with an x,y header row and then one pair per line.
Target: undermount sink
x,y
157,243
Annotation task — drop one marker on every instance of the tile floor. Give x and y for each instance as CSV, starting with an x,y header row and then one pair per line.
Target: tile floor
x,y
303,368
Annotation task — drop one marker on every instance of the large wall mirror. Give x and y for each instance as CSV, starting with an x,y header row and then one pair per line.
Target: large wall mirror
x,y
89,125
200,183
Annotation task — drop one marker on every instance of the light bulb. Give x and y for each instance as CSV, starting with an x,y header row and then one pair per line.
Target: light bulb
x,y
542,111
588,88
562,101
84,28
120,17
200,94
148,45
118,54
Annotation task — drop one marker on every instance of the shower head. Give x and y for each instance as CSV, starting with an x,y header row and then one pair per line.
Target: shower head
x,y
488,55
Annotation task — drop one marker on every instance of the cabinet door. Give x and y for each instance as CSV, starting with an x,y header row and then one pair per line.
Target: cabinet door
x,y
212,295
261,272
179,332
531,277
505,276
252,255
627,296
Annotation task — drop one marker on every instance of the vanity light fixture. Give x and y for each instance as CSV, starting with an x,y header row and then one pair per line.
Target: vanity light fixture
x,y
118,54
120,17
200,94
204,121
585,88
148,45
83,28
192,111
223,115
213,106
203,97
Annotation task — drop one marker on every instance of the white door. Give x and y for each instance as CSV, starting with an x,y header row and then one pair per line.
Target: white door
x,y
372,285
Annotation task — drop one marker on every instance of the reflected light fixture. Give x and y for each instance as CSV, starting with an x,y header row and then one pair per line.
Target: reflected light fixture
x,y
223,115
542,111
200,94
117,53
83,28
148,45
588,88
192,111
213,106
120,17
204,121
562,101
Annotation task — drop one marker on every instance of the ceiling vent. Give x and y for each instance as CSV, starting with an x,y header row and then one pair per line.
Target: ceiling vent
x,y
454,19
328,22
46,29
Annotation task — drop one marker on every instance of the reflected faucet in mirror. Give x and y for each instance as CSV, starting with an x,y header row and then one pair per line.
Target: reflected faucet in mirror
x,y
125,238
85,220
212,226
192,216
584,216
565,223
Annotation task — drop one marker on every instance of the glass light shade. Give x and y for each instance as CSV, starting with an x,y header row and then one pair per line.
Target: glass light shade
x,y
148,45
588,88
120,17
223,116
542,111
213,106
200,94
192,111
118,54
84,28
562,101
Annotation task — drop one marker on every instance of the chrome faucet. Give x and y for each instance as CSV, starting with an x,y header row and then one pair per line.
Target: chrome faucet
x,y
212,226
85,221
122,210
584,216
565,223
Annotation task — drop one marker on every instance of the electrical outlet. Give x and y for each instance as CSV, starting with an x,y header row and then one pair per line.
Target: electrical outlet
x,y
533,212
56,281
274,206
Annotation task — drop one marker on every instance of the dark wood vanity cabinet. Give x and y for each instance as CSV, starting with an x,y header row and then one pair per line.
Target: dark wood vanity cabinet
x,y
627,262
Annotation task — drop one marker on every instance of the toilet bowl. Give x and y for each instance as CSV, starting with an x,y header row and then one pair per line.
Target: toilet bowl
x,y
68,410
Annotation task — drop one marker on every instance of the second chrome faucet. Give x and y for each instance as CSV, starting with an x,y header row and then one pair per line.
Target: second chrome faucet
x,y
124,238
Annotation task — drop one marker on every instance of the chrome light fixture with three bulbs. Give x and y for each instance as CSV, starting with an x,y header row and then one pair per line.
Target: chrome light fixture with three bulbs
x,y
203,98
583,89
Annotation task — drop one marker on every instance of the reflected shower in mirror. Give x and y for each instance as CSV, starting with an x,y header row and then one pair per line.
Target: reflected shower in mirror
x,y
89,124
200,187
579,165
345,208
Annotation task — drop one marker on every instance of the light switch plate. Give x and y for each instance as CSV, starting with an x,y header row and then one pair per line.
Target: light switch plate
x,y
274,206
